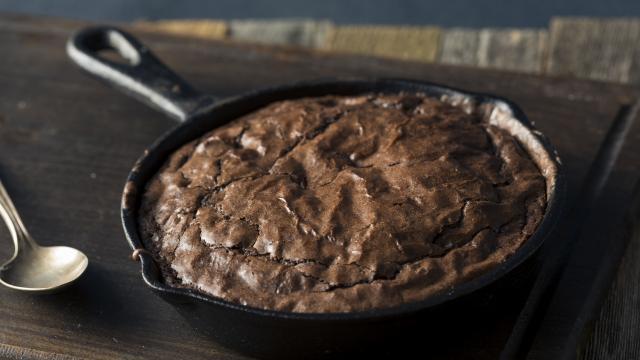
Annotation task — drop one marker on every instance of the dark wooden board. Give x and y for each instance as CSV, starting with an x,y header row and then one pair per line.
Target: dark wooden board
x,y
601,235
568,291
619,311
67,143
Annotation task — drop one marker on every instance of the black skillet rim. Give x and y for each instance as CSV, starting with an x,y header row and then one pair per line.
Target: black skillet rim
x,y
153,278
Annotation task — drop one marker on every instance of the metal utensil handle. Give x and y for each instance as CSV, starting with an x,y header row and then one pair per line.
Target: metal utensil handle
x,y
10,215
143,77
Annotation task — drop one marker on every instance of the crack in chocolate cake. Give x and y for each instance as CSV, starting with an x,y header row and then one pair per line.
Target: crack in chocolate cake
x,y
342,203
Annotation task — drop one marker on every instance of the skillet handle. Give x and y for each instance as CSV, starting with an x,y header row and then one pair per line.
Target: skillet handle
x,y
144,76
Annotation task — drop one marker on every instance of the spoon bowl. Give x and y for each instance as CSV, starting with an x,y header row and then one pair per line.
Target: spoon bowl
x,y
34,268
44,269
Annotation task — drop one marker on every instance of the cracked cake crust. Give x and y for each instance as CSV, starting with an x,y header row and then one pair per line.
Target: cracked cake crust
x,y
339,204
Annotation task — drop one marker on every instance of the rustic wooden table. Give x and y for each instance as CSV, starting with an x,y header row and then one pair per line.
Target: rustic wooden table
x,y
67,143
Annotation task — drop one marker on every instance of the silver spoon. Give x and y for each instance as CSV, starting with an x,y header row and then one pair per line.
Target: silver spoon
x,y
34,268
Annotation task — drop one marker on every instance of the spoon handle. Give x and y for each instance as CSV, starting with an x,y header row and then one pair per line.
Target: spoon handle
x,y
10,216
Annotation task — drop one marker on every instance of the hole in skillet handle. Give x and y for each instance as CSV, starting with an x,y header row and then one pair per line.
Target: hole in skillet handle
x,y
114,47
141,74
113,55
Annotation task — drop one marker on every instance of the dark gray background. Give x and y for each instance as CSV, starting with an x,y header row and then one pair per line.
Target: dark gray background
x,y
469,13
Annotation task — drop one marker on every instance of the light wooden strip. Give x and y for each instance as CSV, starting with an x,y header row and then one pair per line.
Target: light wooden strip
x,y
508,49
460,46
306,33
602,49
408,43
512,49
204,29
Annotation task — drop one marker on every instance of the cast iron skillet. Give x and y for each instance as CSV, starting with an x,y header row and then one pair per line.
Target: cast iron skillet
x,y
275,333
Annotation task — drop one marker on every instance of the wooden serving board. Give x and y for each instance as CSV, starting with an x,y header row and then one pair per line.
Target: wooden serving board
x,y
67,143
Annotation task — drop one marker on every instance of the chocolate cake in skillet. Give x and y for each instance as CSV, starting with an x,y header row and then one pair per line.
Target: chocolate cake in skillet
x,y
342,203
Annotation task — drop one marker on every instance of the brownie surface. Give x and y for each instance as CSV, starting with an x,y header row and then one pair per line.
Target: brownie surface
x,y
340,204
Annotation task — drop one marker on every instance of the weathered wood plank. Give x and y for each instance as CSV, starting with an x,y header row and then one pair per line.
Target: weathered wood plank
x,y
507,49
602,49
407,43
205,29
308,33
460,47
512,49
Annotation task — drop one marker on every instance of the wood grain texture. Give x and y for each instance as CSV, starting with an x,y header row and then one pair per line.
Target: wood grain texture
x,y
407,43
205,29
459,46
616,327
509,49
307,33
67,143
616,333
597,233
603,49
512,49
9,352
